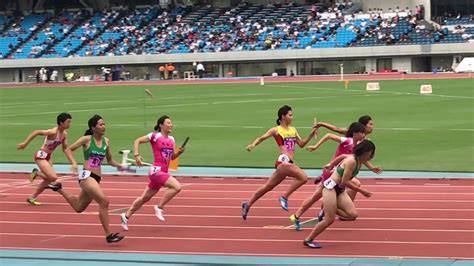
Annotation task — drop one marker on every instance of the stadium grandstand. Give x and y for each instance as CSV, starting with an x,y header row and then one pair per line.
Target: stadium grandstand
x,y
86,39
228,132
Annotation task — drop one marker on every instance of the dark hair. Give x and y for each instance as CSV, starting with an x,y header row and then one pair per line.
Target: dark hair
x,y
365,119
160,121
363,147
281,112
355,127
63,117
92,123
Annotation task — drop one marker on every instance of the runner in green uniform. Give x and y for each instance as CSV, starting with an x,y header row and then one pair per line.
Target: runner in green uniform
x,y
334,194
96,148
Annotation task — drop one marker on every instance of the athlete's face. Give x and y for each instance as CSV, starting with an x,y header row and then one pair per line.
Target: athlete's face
x,y
366,156
66,124
369,127
288,118
100,127
167,126
358,136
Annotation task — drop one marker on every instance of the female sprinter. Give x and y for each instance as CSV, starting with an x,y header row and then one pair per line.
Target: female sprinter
x,y
286,136
53,138
96,148
334,195
354,134
367,121
163,146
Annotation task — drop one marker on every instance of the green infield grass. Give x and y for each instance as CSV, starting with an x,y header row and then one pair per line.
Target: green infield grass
x,y
412,131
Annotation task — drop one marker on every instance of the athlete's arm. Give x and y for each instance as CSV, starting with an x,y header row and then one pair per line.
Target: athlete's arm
x,y
336,161
177,153
64,144
303,142
326,137
269,133
375,169
110,159
349,166
136,149
340,130
22,145
70,149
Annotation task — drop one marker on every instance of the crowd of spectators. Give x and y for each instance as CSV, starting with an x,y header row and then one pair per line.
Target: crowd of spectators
x,y
206,29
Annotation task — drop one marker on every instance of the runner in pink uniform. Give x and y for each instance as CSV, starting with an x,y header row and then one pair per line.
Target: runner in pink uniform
x,y
53,138
163,146
367,121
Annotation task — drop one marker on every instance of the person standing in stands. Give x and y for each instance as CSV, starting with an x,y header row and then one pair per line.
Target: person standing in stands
x,y
200,70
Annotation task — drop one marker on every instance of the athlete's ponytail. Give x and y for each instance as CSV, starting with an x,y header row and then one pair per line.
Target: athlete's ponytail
x,y
160,121
281,112
92,123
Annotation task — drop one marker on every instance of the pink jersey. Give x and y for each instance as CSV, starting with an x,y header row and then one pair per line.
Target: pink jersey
x,y
345,147
163,149
52,144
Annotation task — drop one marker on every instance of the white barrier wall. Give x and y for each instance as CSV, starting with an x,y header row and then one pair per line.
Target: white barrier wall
x,y
272,55
402,59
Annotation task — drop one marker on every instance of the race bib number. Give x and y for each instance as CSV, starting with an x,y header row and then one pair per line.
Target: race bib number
x,y
167,154
329,183
94,162
284,158
154,170
84,174
41,154
289,144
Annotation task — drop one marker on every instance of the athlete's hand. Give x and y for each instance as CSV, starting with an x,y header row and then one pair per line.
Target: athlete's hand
x,y
377,170
74,169
327,167
366,194
138,160
121,167
21,146
250,147
181,150
311,148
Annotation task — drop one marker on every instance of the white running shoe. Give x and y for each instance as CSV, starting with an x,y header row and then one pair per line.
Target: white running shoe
x,y
159,213
124,221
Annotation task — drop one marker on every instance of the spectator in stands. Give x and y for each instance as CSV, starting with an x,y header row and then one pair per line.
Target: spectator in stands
x,y
200,70
418,12
170,69
162,70
37,76
106,73
43,74
54,76
314,10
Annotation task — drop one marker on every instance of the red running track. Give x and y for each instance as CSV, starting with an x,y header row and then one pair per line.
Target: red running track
x,y
410,218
